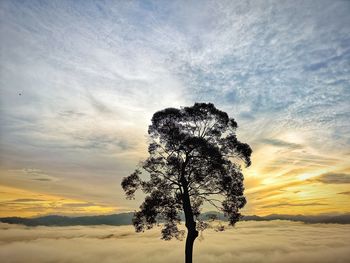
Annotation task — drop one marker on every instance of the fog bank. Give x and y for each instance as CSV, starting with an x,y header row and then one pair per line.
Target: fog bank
x,y
274,241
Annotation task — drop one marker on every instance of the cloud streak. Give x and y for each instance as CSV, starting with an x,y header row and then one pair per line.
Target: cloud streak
x,y
295,204
334,178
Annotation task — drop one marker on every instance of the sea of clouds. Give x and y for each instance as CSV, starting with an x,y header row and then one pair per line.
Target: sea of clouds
x,y
274,241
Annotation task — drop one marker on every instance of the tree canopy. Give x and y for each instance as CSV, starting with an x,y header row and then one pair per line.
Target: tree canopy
x,y
194,158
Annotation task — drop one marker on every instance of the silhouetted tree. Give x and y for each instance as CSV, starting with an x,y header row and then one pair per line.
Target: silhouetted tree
x,y
193,157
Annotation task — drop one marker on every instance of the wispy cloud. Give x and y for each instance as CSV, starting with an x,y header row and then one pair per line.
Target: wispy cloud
x,y
344,193
281,143
295,204
34,174
334,178
25,200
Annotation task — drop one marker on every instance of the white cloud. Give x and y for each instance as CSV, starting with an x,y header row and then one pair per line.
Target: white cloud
x,y
274,241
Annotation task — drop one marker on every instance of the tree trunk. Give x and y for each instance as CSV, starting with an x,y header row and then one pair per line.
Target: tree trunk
x,y
192,232
191,236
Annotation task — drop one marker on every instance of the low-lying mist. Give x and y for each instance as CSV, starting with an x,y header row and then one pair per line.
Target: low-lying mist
x,y
274,241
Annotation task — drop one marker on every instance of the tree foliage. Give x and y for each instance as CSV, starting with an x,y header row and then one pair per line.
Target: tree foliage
x,y
193,158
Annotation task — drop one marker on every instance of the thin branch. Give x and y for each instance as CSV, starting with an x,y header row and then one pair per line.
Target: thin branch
x,y
210,201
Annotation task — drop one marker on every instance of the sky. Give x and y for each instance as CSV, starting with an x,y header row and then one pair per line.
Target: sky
x,y
80,81
248,242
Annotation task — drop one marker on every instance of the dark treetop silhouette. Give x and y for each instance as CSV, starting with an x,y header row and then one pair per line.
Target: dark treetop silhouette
x,y
191,160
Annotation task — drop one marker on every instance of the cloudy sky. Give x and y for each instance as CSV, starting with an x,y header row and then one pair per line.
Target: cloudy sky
x,y
80,80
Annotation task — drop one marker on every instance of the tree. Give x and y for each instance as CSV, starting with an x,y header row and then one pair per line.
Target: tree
x,y
193,158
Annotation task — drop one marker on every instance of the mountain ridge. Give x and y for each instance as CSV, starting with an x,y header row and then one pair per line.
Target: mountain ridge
x,y
126,219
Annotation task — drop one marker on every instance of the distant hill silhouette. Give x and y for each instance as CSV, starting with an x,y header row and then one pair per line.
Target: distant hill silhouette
x,y
55,220
327,219
126,219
